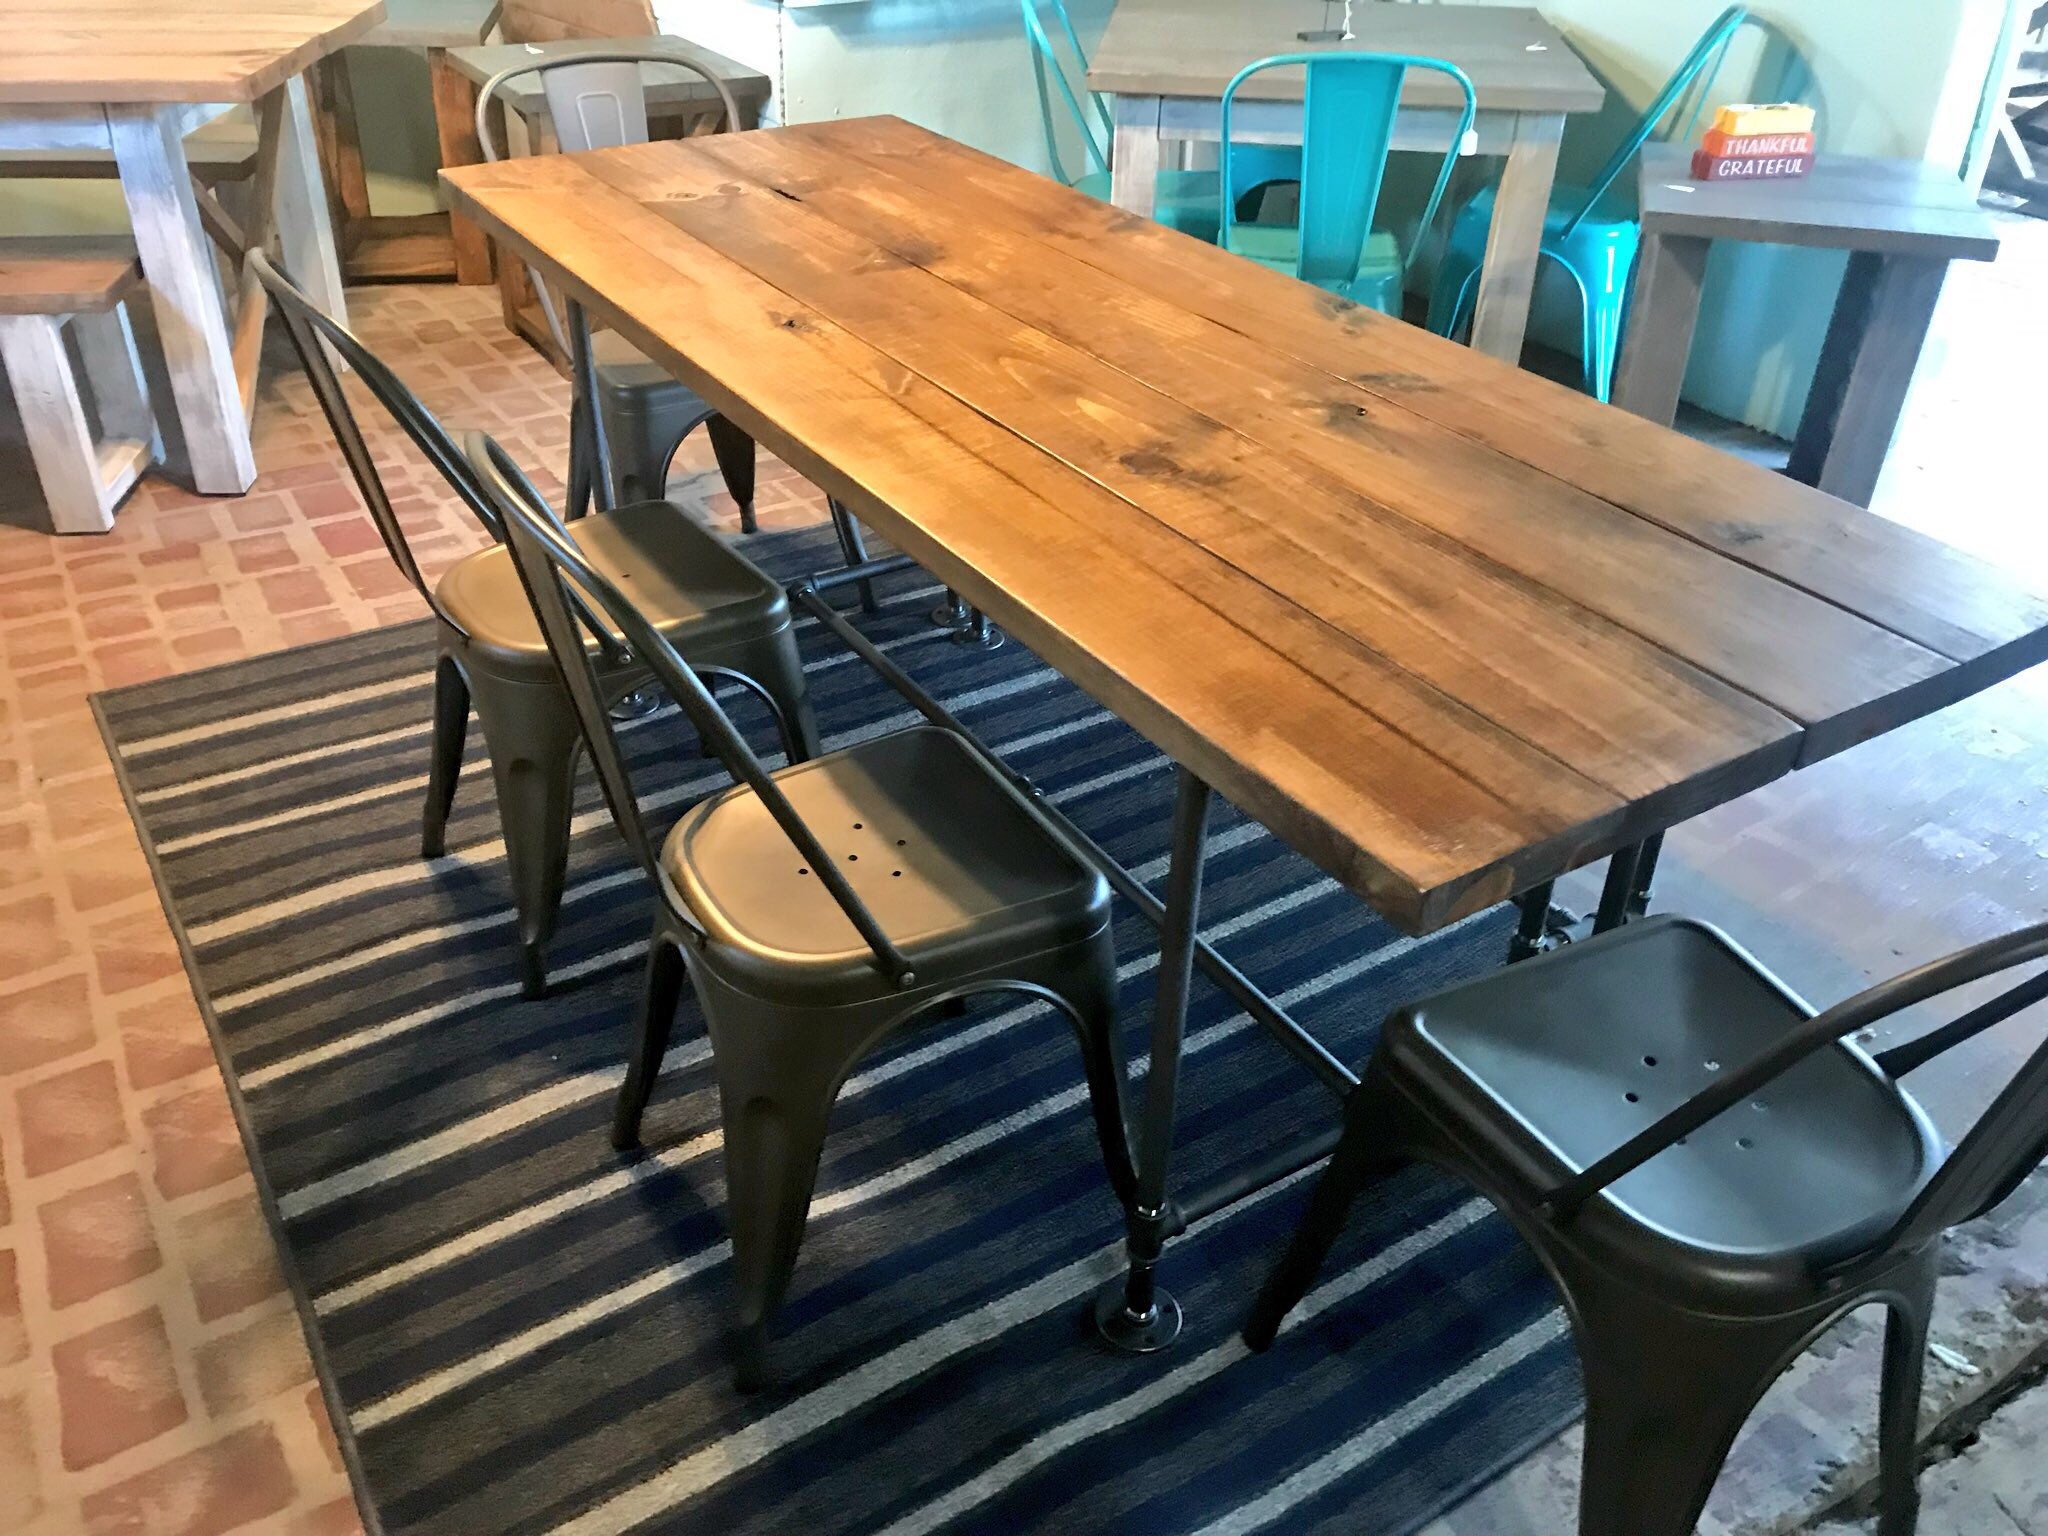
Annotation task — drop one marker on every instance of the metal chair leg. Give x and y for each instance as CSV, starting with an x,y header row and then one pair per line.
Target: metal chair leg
x,y
533,739
1898,1439
1666,1394
734,451
854,546
577,503
444,770
1093,998
773,662
658,999
1360,1157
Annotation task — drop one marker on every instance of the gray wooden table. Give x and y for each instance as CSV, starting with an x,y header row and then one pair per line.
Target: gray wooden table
x,y
1903,221
1167,62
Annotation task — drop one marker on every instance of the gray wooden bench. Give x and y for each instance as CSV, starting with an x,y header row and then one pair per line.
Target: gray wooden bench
x,y
49,285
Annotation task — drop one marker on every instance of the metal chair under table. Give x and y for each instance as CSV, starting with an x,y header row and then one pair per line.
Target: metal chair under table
x,y
596,100
1711,1174
710,602
819,909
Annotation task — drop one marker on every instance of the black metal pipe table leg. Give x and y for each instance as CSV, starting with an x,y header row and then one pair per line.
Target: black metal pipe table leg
x,y
952,613
1534,927
584,366
1133,1313
1646,872
1620,886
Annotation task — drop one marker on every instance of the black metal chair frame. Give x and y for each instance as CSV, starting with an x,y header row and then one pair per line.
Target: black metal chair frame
x,y
593,471
522,725
1647,1475
766,1051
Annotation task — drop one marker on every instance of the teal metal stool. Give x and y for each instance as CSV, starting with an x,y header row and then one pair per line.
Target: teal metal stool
x,y
1189,201
1349,101
1583,233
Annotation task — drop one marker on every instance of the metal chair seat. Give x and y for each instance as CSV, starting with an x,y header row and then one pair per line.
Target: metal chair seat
x,y
693,587
1562,1059
959,869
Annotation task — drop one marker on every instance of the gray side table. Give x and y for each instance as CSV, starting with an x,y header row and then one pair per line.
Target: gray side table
x,y
1903,221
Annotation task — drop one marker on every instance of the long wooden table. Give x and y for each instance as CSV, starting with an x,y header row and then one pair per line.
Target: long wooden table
x,y
1167,62
1447,628
136,76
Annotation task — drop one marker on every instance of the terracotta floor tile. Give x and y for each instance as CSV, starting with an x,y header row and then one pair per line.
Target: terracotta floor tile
x,y
338,1517
44,1022
238,1479
96,1238
164,1040
68,1116
21,1493
117,1386
6,1200
258,1360
226,1251
13,1329
193,1141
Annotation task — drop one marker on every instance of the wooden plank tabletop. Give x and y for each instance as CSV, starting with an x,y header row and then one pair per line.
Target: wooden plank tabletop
x,y
1446,627
1518,62
1847,202
102,51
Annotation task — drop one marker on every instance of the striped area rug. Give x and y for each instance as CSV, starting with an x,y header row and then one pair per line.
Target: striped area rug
x,y
520,1331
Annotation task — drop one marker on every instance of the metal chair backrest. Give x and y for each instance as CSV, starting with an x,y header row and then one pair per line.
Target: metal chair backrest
x,y
1349,101
312,331
1049,72
2009,1140
549,562
596,100
1682,99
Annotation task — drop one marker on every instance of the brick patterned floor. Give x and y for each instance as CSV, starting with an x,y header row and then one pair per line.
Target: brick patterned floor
x,y
153,1379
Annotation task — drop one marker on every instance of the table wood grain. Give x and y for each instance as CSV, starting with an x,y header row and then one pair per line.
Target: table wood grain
x,y
128,51
1447,628
1518,62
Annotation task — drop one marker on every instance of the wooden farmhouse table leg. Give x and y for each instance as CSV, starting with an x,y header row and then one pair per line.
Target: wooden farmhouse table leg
x,y
184,288
1134,155
455,125
1507,280
1866,367
1664,307
306,234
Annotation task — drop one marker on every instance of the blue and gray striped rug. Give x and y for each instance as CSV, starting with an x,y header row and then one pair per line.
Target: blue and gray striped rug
x,y
524,1331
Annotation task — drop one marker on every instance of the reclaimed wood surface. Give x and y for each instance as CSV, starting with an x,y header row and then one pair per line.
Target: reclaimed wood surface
x,y
1518,62
1446,627
64,275
132,51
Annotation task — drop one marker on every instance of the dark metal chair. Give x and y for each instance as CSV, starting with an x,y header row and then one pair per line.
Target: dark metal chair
x,y
1711,1174
819,909
597,100
716,607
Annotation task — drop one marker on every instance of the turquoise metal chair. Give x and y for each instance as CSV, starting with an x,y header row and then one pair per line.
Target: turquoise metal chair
x,y
1593,241
1349,101
1184,200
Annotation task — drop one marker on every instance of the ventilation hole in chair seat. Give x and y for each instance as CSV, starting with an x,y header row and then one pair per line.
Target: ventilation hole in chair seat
x,y
1649,1061
1633,1098
1712,1065
1744,1142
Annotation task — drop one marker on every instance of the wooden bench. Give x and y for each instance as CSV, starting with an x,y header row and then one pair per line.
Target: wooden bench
x,y
222,150
47,284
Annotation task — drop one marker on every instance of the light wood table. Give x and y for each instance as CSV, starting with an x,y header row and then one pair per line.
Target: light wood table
x,y
427,245
1167,62
679,103
1903,221
1447,628
99,74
